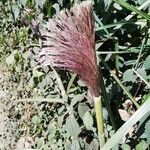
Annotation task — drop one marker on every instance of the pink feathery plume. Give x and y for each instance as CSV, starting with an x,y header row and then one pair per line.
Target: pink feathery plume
x,y
69,43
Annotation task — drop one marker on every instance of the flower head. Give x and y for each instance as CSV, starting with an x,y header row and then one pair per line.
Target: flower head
x,y
69,43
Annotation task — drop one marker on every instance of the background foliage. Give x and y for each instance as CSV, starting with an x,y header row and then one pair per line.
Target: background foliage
x,y
36,109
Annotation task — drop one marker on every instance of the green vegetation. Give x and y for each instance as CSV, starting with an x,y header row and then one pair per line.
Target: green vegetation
x,y
48,109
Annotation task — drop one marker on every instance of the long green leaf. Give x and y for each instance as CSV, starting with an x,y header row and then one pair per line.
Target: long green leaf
x,y
132,8
144,109
101,24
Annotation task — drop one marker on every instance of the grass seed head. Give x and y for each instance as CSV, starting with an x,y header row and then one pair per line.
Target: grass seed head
x,y
69,43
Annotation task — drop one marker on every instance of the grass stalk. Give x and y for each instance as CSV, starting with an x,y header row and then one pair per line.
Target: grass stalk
x,y
117,56
99,120
107,102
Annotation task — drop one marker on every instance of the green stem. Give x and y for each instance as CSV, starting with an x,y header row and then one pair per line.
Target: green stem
x,y
117,56
107,102
99,120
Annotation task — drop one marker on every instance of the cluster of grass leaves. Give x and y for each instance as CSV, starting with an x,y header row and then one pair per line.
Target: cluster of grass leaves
x,y
43,109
